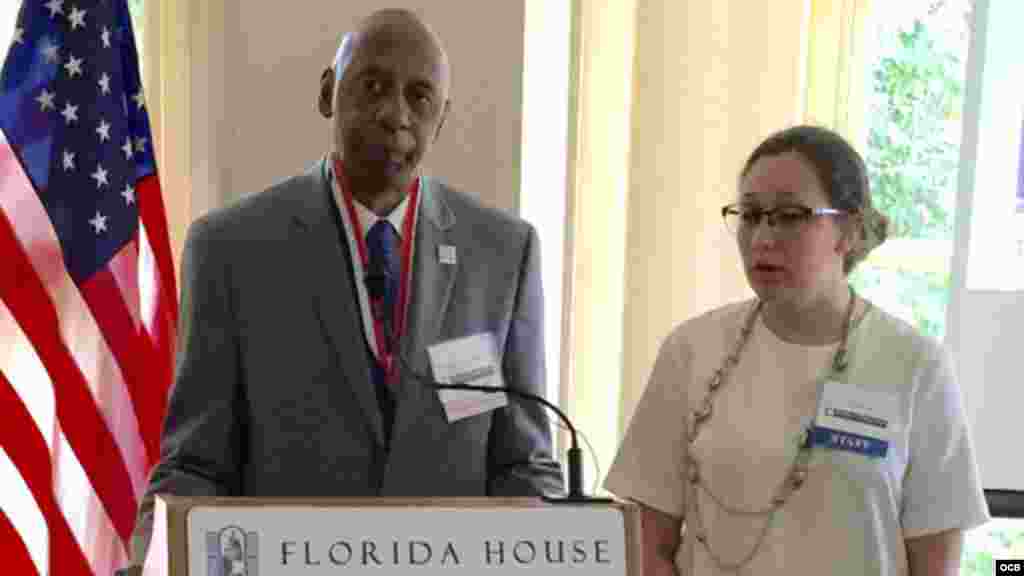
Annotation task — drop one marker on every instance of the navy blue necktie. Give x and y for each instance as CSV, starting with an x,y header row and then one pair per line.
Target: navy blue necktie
x,y
383,275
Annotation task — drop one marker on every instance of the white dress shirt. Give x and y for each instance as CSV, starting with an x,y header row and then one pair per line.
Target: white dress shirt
x,y
367,219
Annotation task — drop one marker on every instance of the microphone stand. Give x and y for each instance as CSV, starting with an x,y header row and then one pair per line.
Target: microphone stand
x,y
376,279
575,494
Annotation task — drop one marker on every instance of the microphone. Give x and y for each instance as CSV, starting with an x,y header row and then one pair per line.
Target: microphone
x,y
376,278
575,494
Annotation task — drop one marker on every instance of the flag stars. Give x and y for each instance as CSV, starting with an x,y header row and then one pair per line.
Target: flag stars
x,y
103,130
65,107
100,176
99,223
104,83
73,66
77,18
45,100
50,51
70,113
55,7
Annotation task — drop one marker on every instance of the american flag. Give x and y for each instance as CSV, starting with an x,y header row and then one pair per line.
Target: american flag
x,y
87,291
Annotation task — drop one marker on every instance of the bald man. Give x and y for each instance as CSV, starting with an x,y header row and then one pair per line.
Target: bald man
x,y
308,310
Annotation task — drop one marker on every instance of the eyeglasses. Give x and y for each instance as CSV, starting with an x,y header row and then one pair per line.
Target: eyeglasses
x,y
788,219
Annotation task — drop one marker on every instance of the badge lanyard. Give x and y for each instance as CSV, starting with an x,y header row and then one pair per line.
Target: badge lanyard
x,y
401,306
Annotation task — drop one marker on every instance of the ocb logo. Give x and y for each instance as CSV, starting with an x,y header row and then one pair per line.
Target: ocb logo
x,y
1009,566
232,551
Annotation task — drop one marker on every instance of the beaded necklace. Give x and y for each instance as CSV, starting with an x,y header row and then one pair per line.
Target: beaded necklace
x,y
794,477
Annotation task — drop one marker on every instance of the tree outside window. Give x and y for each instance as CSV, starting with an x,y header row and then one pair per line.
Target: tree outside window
x,y
914,100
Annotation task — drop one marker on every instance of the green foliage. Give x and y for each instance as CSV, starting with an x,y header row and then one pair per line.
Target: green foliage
x,y
1001,539
913,150
915,100
920,298
916,94
136,8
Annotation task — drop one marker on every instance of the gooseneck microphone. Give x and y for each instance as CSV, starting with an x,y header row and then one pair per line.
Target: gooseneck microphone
x,y
376,278
574,469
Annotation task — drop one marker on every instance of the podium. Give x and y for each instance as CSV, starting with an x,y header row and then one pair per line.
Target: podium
x,y
391,536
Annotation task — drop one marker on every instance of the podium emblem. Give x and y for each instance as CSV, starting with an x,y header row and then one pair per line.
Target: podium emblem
x,y
231,551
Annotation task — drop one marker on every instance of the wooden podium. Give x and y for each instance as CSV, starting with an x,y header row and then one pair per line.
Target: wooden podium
x,y
422,536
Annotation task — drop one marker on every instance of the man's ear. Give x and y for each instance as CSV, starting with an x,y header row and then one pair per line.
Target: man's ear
x,y
444,116
324,102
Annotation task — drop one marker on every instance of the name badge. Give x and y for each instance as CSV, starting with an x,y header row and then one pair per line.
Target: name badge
x,y
854,419
469,360
446,254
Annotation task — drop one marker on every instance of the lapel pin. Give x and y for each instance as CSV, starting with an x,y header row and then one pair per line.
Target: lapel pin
x,y
446,254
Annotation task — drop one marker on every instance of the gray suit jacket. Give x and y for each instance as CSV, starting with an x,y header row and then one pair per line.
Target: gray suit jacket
x,y
273,394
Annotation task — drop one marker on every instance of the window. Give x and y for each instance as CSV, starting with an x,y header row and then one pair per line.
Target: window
x,y
1000,539
914,98
987,308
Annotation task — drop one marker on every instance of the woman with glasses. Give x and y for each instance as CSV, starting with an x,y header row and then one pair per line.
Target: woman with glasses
x,y
804,431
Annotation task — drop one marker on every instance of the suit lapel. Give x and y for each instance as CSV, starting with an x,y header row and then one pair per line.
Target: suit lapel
x,y
432,280
329,274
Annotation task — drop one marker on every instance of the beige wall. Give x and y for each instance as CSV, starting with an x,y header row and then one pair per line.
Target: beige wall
x,y
274,68
708,81
711,79
598,205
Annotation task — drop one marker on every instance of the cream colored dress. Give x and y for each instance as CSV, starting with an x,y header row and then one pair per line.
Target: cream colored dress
x,y
853,513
